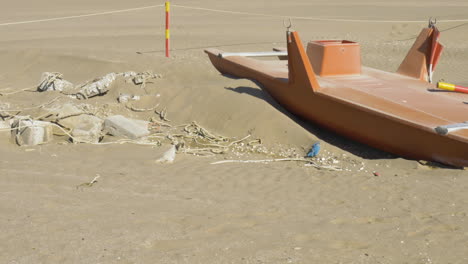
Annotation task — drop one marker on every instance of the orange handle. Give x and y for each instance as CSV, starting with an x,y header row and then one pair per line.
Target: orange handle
x,y
452,87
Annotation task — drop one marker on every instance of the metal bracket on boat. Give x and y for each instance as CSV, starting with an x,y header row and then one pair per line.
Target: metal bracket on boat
x,y
444,130
253,54
432,22
288,25
288,28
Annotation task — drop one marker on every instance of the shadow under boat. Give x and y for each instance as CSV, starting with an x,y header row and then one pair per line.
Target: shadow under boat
x,y
330,137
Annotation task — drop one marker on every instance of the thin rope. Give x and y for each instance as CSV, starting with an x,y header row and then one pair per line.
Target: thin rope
x,y
79,16
227,12
317,18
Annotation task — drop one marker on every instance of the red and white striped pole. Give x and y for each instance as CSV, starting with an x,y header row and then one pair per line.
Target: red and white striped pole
x,y
168,8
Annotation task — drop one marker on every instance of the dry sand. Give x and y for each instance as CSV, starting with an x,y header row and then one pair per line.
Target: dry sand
x,y
194,212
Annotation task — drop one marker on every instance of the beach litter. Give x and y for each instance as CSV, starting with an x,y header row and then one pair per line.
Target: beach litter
x,y
28,132
168,156
96,87
89,184
124,98
314,151
143,78
121,126
98,123
53,81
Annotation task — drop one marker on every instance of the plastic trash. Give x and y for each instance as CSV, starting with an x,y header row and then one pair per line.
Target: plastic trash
x,y
124,98
314,151
53,81
168,156
99,86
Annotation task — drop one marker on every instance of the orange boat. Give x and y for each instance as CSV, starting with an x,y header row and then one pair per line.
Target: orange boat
x,y
395,112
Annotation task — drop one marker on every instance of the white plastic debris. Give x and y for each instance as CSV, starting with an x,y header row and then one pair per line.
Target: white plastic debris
x,y
31,132
53,81
121,126
124,98
168,156
99,86
129,74
143,77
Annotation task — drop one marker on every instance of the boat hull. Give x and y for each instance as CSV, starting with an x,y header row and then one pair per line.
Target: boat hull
x,y
389,132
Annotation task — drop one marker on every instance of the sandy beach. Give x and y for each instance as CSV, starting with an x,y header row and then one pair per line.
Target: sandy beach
x,y
376,208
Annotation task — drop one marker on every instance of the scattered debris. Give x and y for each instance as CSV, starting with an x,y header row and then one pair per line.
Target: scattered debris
x,y
31,132
143,78
91,122
168,156
89,184
162,114
134,109
53,81
121,126
314,151
123,98
97,87
85,127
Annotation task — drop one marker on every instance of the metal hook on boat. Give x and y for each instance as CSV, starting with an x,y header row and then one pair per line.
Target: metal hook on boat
x,y
432,22
288,28
288,25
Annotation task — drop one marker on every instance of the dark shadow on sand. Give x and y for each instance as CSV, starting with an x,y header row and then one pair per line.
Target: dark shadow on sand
x,y
326,135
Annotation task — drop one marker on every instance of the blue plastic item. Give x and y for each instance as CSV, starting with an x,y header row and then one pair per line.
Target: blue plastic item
x,y
314,151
